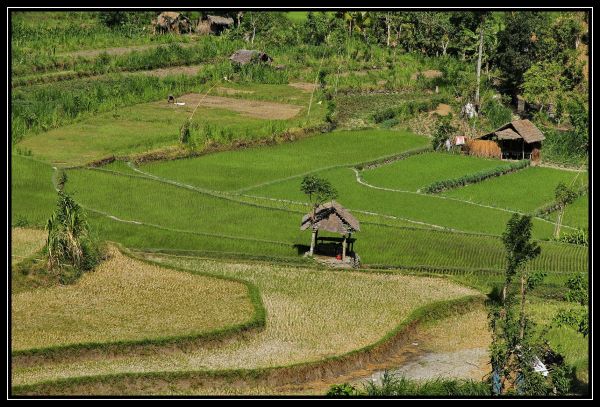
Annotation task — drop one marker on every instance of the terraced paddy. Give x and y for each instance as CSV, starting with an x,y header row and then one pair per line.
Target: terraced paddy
x,y
311,315
524,190
153,125
100,309
244,169
418,171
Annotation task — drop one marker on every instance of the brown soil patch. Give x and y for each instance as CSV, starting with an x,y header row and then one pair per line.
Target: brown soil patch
x,y
303,86
442,110
230,91
251,108
120,50
429,74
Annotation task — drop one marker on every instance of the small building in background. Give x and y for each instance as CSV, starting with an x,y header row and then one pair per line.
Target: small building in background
x,y
519,139
213,25
171,22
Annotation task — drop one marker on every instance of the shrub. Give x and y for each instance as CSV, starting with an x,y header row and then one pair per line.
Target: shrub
x,y
344,389
69,247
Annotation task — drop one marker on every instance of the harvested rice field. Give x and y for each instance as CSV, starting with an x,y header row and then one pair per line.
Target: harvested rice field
x,y
26,242
311,315
125,300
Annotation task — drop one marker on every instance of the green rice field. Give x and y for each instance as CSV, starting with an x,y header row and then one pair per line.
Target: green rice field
x,y
524,190
418,171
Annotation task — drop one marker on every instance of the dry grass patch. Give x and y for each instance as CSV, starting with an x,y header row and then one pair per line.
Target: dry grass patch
x,y
250,108
311,315
428,74
126,300
25,242
303,86
458,332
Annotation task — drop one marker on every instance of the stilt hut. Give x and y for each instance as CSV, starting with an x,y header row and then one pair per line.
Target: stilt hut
x,y
332,217
517,139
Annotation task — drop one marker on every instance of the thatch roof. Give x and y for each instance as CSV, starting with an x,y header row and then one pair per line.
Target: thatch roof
x,y
219,20
332,217
516,130
244,56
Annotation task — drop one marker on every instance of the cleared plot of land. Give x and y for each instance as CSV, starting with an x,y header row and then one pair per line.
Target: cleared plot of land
x,y
311,315
257,109
303,86
171,217
233,170
523,190
126,300
420,170
147,126
24,242
33,196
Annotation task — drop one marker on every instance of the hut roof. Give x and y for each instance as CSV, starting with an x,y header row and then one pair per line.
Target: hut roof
x,y
219,20
332,217
515,130
244,56
507,134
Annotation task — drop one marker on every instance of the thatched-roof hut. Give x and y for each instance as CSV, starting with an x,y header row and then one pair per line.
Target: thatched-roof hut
x,y
331,217
244,56
517,139
213,24
171,22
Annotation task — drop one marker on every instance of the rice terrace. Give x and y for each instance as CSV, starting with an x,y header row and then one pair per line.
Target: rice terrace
x,y
299,203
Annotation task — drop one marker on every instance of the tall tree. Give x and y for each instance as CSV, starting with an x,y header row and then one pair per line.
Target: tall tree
x,y
519,45
319,191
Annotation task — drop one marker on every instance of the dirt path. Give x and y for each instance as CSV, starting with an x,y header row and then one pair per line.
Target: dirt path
x,y
121,50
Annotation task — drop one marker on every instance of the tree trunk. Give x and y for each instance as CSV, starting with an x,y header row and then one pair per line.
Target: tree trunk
x,y
479,64
561,211
313,239
504,291
522,316
389,27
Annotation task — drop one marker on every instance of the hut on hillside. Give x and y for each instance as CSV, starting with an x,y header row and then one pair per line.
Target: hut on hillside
x,y
518,139
332,217
244,56
213,25
171,22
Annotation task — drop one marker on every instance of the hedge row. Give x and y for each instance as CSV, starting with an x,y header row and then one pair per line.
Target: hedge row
x,y
386,160
479,176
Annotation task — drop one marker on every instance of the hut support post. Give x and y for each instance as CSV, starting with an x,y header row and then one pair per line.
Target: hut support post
x,y
523,147
313,241
344,249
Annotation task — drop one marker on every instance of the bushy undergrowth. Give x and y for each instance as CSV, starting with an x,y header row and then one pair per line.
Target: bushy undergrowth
x,y
392,385
443,185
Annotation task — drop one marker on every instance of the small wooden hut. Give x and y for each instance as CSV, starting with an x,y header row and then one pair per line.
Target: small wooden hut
x,y
517,139
244,56
332,217
171,22
213,25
